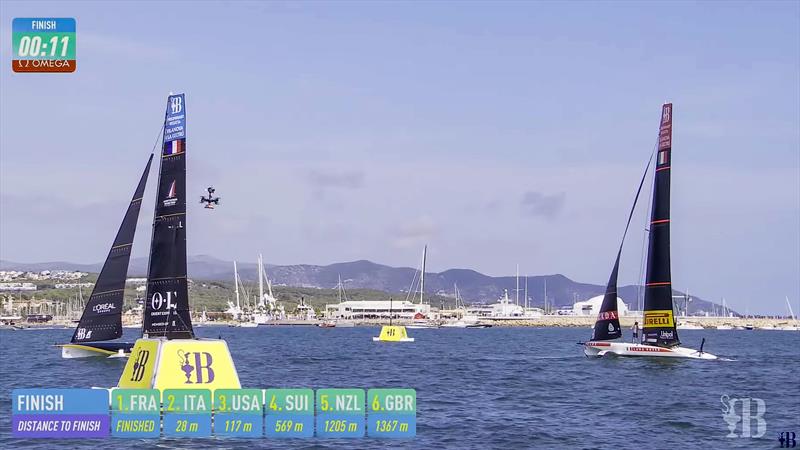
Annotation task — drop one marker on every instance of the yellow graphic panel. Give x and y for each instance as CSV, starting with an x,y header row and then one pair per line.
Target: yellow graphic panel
x,y
138,371
658,318
195,364
393,333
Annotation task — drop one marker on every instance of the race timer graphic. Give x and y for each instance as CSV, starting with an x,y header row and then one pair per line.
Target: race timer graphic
x,y
43,44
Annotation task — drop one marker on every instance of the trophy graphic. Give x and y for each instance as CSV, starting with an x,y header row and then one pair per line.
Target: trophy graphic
x,y
185,367
729,414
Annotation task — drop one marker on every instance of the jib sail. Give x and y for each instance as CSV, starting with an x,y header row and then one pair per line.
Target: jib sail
x,y
102,317
607,327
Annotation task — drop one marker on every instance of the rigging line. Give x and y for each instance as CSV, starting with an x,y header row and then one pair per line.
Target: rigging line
x,y
643,257
413,287
158,138
153,227
635,201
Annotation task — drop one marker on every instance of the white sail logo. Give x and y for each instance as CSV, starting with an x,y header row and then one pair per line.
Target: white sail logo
x,y
667,113
84,334
157,300
103,308
176,105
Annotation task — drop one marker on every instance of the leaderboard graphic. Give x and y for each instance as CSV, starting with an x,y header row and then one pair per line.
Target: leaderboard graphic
x,y
245,413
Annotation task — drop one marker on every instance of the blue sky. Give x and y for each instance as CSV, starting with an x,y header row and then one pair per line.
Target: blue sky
x,y
498,133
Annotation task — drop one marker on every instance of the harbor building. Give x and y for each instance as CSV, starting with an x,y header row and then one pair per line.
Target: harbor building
x,y
376,309
591,307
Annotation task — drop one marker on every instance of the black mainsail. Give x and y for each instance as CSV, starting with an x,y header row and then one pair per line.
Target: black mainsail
x,y
659,319
166,310
102,317
607,327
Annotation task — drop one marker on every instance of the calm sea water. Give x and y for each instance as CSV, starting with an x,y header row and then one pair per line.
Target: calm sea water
x,y
490,388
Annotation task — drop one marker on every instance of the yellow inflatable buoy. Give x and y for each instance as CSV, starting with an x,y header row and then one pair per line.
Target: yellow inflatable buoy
x,y
160,363
393,333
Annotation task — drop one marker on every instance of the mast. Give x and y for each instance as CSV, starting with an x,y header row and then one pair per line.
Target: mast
x,y
261,281
422,278
516,293
659,322
545,294
526,292
102,316
166,312
236,285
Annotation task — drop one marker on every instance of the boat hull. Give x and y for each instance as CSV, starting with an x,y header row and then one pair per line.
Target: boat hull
x,y
97,349
598,349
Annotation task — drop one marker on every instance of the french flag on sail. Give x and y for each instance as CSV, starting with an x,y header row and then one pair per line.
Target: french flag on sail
x,y
663,157
174,147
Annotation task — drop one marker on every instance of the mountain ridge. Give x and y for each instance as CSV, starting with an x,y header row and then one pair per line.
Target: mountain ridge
x,y
474,286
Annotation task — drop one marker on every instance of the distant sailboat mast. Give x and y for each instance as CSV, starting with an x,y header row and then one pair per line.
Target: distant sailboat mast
x,y
545,294
526,292
422,276
236,286
261,303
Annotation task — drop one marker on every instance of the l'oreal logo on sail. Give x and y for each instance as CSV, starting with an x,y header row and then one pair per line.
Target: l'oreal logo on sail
x,y
658,318
103,308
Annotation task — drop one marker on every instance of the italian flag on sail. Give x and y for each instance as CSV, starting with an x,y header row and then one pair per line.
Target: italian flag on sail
x,y
663,157
174,147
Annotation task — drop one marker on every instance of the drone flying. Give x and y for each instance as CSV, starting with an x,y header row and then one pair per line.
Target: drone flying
x,y
210,201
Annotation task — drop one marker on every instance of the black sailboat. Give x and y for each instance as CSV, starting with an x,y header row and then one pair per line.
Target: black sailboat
x,y
168,355
102,317
166,312
659,337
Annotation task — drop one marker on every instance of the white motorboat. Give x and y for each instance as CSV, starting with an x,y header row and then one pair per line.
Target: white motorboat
x,y
688,326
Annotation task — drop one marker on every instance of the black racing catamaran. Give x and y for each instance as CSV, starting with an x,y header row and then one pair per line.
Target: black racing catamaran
x,y
102,317
659,336
166,310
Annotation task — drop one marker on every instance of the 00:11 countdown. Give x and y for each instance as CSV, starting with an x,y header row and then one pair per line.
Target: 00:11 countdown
x,y
30,46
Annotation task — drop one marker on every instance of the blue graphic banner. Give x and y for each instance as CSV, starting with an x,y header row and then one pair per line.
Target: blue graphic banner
x,y
175,122
43,25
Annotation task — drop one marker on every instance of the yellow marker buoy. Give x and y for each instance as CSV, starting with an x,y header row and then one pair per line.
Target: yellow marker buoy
x,y
392,333
160,363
